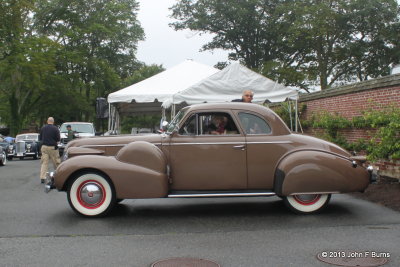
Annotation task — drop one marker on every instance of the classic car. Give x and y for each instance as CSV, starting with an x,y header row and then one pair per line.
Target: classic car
x,y
8,148
3,156
27,145
254,155
80,129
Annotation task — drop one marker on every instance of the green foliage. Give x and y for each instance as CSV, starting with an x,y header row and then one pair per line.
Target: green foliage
x,y
57,57
140,121
302,43
384,144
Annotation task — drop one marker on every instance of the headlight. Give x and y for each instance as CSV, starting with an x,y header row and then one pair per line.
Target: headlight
x,y
28,146
11,147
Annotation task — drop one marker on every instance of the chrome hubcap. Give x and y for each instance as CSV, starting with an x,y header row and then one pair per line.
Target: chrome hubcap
x,y
91,194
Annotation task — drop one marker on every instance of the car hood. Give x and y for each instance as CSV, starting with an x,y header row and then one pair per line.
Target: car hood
x,y
114,140
64,135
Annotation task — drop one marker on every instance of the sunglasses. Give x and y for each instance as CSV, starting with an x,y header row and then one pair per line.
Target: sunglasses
x,y
249,95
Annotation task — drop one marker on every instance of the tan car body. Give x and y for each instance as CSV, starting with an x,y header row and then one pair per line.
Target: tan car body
x,y
154,166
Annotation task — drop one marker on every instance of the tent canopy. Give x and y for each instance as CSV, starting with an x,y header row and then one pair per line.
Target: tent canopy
x,y
146,96
228,84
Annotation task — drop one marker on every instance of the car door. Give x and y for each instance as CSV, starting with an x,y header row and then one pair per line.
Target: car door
x,y
263,149
200,160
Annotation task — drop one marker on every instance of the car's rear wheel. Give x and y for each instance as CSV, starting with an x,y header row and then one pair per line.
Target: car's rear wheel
x,y
3,159
307,203
91,194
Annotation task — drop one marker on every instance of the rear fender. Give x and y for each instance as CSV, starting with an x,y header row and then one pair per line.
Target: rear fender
x,y
314,171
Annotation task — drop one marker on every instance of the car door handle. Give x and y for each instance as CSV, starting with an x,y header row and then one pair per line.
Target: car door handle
x,y
241,147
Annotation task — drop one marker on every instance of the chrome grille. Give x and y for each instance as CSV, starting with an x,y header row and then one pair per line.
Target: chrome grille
x,y
20,147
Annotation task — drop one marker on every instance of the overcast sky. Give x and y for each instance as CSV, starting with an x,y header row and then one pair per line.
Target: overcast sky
x,y
168,47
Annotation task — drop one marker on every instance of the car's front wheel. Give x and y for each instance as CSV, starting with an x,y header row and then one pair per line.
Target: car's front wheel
x,y
307,203
91,194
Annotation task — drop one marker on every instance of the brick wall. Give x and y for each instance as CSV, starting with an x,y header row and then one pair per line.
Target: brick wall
x,y
349,101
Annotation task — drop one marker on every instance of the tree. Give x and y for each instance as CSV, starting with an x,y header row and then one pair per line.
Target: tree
x,y
99,40
300,42
26,62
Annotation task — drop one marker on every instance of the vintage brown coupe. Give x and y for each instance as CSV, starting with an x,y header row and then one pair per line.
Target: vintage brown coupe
x,y
208,150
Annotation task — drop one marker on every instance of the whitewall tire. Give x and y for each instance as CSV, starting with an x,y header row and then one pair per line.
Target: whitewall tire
x,y
307,203
91,195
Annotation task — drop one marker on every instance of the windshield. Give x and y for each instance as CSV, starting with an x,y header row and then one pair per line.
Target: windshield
x,y
176,120
78,128
22,137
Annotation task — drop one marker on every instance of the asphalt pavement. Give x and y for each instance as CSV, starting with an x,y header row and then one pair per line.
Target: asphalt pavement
x,y
39,229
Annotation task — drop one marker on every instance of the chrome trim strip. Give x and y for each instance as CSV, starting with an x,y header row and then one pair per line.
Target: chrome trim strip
x,y
271,142
116,145
222,195
207,143
229,143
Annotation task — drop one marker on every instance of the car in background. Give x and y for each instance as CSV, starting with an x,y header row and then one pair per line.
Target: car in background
x,y
80,129
8,148
3,156
27,145
209,150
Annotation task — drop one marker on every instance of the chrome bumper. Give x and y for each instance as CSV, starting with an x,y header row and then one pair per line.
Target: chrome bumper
x,y
49,182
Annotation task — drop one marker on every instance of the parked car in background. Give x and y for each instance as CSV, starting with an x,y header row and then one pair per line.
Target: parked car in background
x,y
209,150
27,145
8,148
80,129
3,155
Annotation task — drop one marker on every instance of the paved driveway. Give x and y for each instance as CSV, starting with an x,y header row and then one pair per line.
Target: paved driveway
x,y
38,229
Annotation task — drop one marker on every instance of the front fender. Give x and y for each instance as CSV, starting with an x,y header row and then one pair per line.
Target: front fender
x,y
313,171
130,171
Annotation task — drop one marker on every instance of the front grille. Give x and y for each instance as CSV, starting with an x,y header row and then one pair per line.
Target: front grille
x,y
21,147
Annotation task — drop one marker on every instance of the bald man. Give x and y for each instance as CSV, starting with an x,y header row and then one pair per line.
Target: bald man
x,y
50,136
247,97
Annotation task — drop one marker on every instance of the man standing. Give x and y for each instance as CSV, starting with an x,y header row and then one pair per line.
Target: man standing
x,y
50,136
247,97
70,133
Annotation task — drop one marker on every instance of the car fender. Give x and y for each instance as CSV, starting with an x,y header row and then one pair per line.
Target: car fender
x,y
139,170
315,171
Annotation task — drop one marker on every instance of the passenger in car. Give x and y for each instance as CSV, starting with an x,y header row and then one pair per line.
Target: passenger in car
x,y
218,125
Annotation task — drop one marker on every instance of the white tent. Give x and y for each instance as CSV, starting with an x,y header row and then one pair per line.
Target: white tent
x,y
228,84
146,96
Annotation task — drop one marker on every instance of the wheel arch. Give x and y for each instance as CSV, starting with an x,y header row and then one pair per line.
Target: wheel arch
x,y
82,171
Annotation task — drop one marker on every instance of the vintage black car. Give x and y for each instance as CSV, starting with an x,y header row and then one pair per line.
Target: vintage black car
x,y
3,156
8,148
27,145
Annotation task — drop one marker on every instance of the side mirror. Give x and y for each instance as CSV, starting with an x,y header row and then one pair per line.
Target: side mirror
x,y
164,125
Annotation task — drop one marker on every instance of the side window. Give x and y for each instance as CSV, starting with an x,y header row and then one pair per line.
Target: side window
x,y
253,124
216,123
210,123
189,128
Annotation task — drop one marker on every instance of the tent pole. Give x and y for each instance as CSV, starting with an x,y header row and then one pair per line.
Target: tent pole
x,y
296,117
290,115
109,116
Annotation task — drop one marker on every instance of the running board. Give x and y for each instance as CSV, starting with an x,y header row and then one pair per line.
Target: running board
x,y
221,194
